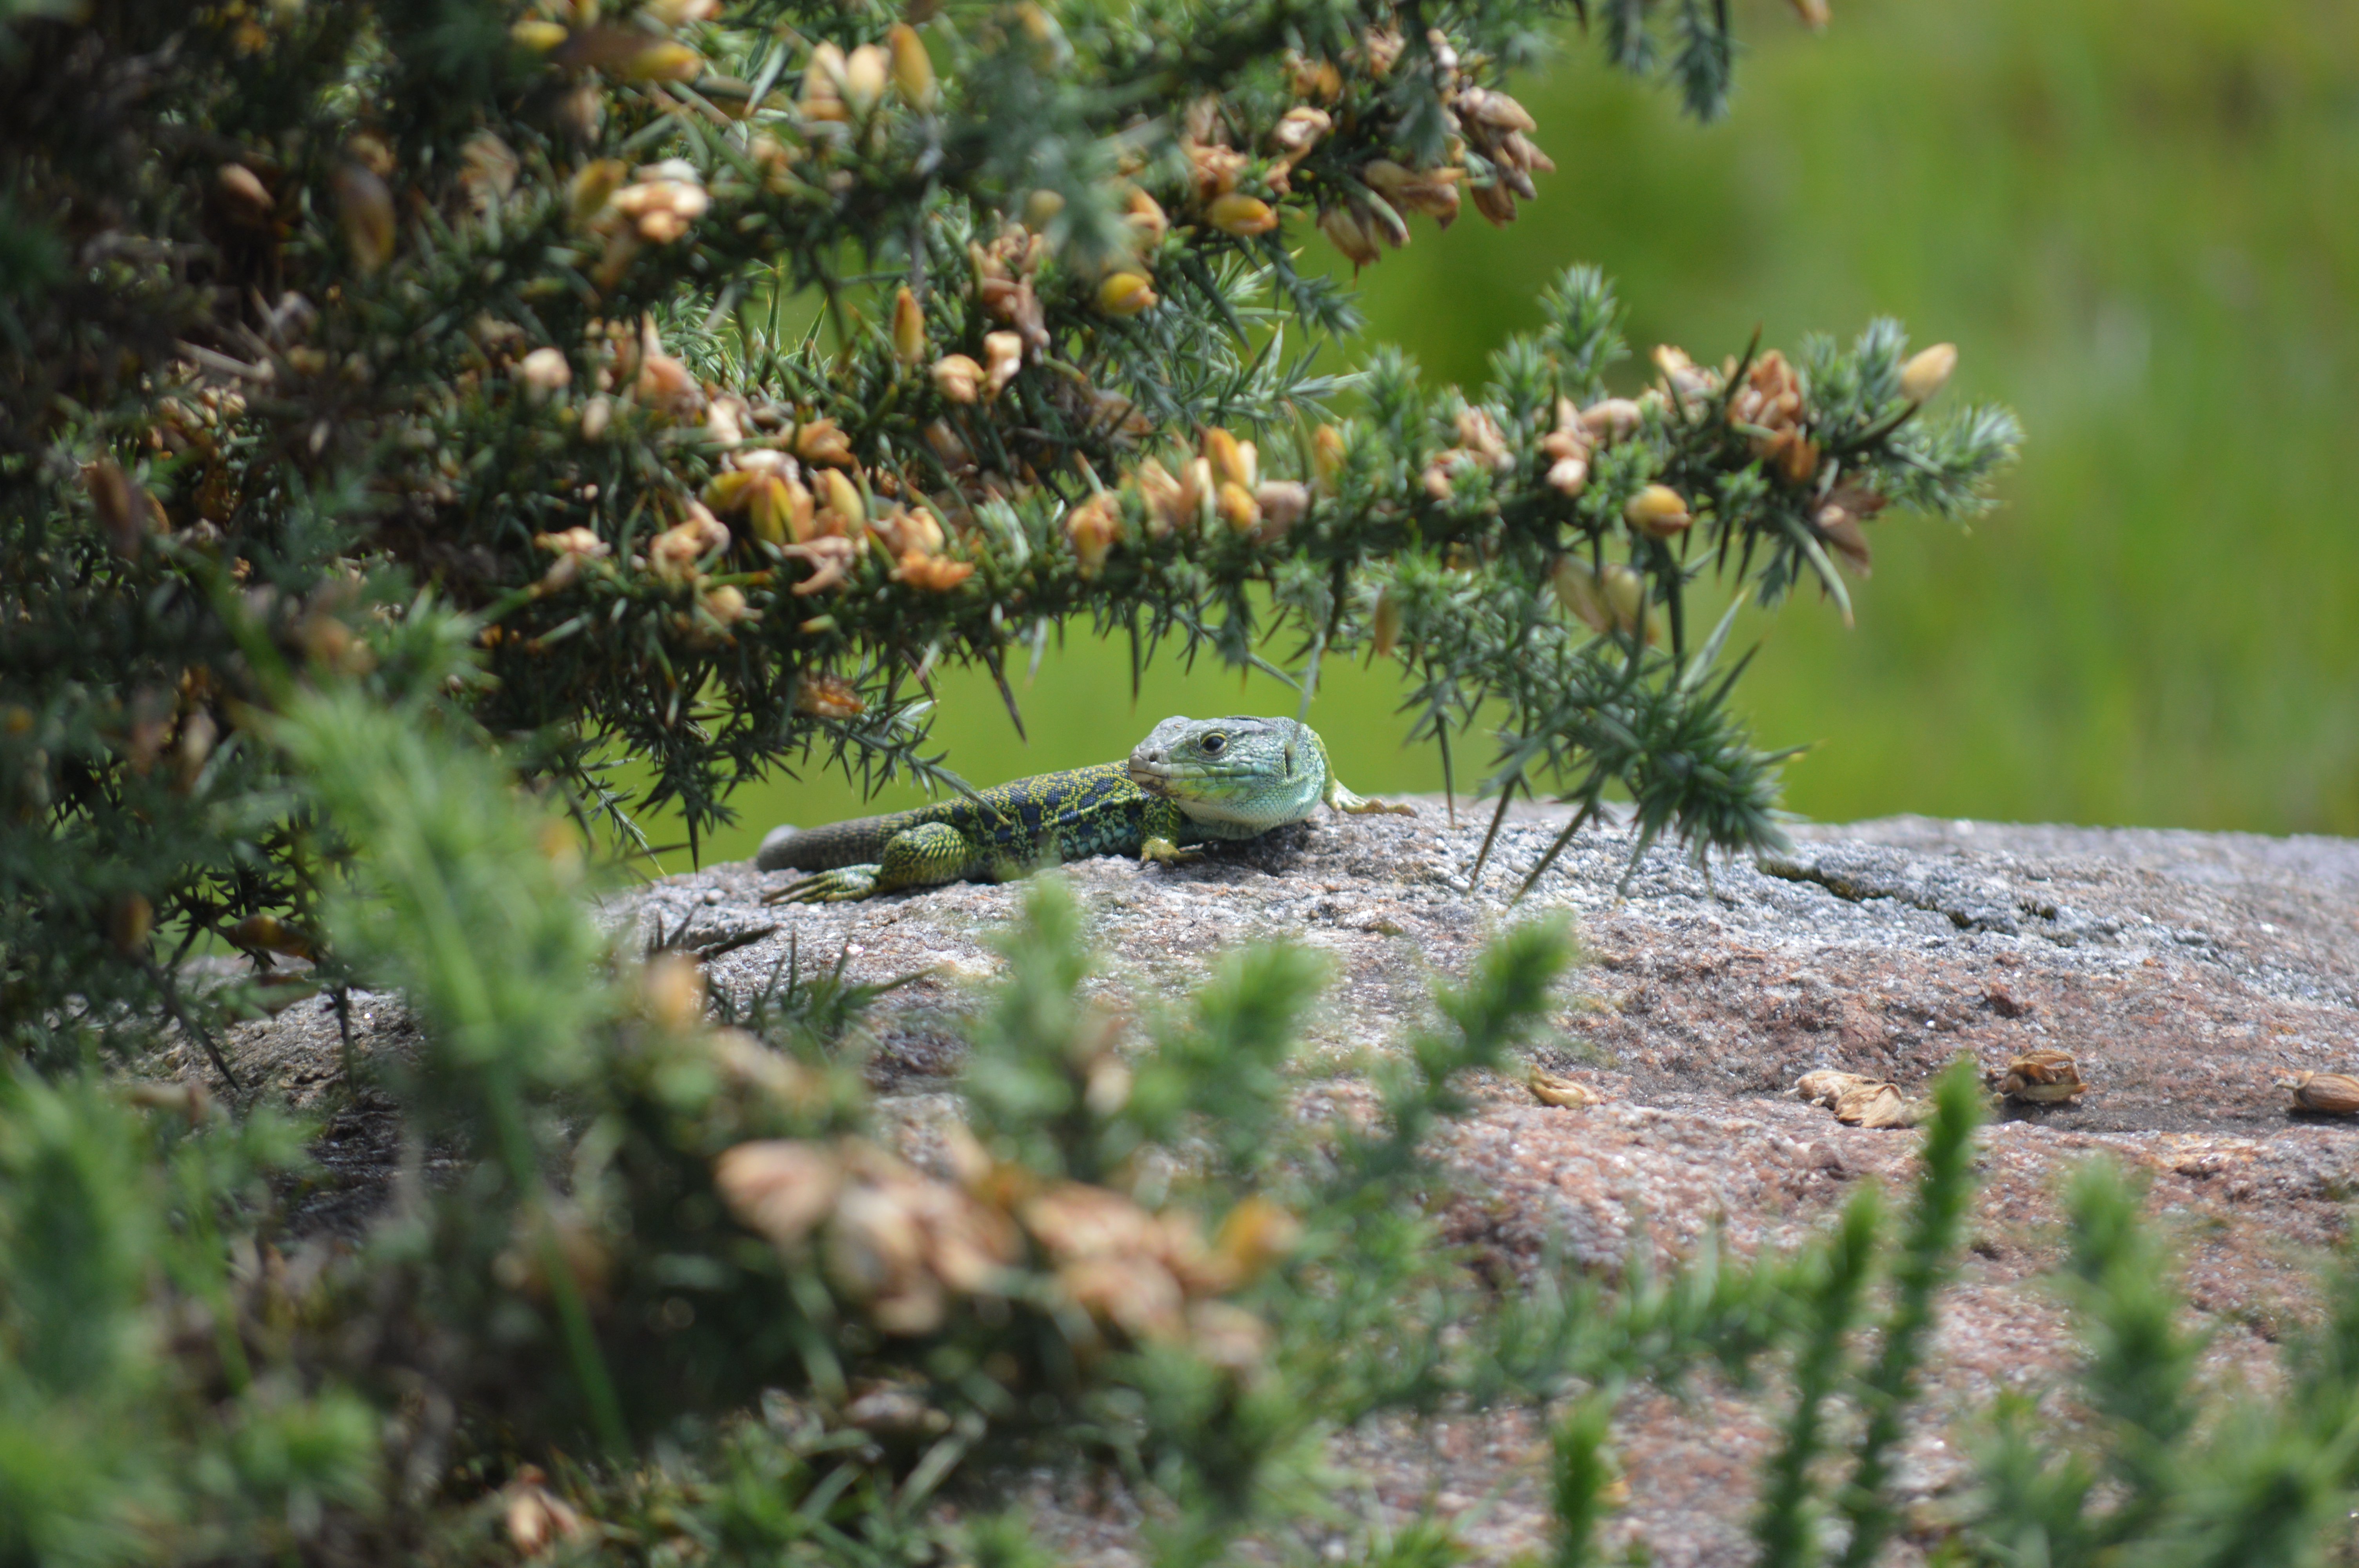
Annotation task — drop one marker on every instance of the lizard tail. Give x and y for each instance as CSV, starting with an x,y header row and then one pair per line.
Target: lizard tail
x,y
854,843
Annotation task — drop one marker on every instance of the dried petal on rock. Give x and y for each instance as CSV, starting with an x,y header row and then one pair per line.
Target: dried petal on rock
x,y
1554,1089
1874,1105
2041,1078
2333,1093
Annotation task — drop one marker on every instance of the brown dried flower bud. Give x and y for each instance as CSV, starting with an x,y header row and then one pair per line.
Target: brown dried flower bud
x,y
1146,215
826,696
545,370
1168,503
534,1515
364,206
1491,107
1495,202
958,378
1841,530
726,604
823,441
1298,130
1344,231
1003,356
822,94
1282,503
1612,419
933,574
244,192
1092,526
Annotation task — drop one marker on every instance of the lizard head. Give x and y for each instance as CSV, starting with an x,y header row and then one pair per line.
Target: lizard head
x,y
1238,772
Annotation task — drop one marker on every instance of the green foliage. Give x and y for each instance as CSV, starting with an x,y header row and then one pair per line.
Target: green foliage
x,y
673,1244
408,411
640,337
2114,212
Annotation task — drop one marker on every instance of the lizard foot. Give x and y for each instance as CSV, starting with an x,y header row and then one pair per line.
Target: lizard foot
x,y
839,886
1164,852
1344,800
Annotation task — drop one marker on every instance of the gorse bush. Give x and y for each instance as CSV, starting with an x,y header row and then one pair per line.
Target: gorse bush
x,y
681,1299
411,411
739,367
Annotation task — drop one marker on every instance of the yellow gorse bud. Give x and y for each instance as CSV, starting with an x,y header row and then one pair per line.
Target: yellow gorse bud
x,y
365,207
1927,373
913,68
1125,294
1659,512
864,73
1241,215
908,328
668,61
1235,461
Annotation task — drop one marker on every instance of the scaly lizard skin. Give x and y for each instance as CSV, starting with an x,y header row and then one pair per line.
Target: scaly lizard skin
x,y
1193,781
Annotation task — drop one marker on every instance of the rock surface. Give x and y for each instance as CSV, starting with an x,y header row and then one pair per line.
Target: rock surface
x,y
2183,970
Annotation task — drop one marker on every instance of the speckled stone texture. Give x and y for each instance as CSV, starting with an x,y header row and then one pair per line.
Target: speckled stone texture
x,y
2183,970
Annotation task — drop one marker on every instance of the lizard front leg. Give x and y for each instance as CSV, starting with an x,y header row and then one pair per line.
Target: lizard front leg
x,y
1164,852
1338,798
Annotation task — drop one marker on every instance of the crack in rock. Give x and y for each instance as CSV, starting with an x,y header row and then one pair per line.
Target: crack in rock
x,y
1857,873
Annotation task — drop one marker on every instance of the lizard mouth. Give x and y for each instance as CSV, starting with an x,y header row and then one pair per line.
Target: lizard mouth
x,y
1150,777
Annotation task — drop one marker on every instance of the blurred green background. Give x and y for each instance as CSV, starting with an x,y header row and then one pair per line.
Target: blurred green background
x,y
2140,224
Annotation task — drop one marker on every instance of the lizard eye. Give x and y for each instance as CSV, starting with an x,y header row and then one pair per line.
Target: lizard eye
x,y
1212,745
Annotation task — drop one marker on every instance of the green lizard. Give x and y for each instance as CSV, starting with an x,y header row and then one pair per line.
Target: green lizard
x,y
1191,782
